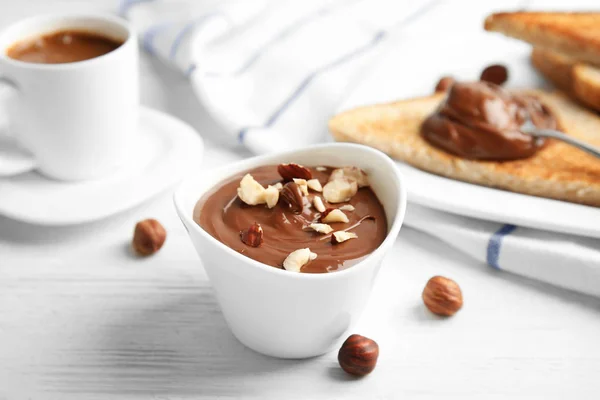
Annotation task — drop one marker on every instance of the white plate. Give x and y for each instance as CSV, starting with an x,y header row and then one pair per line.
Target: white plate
x,y
168,149
412,69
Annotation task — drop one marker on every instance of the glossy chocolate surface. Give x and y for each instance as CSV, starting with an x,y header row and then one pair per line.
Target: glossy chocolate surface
x,y
223,215
480,120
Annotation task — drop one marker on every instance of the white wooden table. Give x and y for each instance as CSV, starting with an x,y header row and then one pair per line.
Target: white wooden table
x,y
81,318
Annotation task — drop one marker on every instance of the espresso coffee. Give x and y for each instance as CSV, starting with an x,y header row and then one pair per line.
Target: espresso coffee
x,y
62,47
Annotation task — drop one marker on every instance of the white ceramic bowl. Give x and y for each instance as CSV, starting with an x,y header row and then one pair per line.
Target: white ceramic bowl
x,y
281,313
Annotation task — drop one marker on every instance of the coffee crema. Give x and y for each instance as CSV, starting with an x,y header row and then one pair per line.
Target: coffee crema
x,y
61,47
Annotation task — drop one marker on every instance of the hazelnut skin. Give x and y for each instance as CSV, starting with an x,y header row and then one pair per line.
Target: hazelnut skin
x,y
290,171
358,355
496,74
292,196
253,236
148,237
442,296
444,84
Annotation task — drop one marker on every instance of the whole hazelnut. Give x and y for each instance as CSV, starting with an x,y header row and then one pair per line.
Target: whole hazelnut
x,y
442,296
444,84
358,355
148,237
496,74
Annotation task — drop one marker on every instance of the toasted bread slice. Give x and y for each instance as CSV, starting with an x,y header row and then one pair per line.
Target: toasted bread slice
x,y
580,80
576,35
555,67
557,171
586,84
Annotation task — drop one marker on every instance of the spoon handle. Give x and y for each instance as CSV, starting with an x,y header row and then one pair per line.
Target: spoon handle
x,y
549,133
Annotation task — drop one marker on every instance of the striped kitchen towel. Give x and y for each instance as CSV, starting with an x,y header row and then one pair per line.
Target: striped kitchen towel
x,y
272,72
566,261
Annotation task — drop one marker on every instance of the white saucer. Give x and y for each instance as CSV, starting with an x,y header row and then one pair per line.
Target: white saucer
x,y
169,148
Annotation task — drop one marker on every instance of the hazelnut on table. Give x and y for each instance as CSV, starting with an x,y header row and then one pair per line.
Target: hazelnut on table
x,y
148,237
442,296
358,355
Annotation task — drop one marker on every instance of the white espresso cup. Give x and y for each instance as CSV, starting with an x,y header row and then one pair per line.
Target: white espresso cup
x,y
75,120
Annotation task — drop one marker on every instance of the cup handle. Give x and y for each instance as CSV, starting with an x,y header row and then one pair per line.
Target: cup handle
x,y
13,159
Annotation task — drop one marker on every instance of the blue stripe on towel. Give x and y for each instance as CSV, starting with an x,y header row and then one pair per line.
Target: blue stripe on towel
x,y
190,69
495,243
345,58
288,31
127,4
242,135
187,28
150,33
306,82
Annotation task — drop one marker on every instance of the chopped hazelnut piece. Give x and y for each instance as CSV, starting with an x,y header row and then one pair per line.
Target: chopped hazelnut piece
x,y
342,236
352,173
318,203
340,190
271,196
297,259
292,196
321,169
250,191
303,185
253,236
315,185
291,171
333,215
347,207
321,228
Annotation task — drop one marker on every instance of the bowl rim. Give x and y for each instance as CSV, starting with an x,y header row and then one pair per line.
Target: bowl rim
x,y
188,221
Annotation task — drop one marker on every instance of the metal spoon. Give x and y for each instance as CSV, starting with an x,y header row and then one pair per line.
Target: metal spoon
x,y
529,128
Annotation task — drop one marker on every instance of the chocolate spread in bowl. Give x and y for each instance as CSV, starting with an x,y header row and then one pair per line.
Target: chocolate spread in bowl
x,y
480,120
223,215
